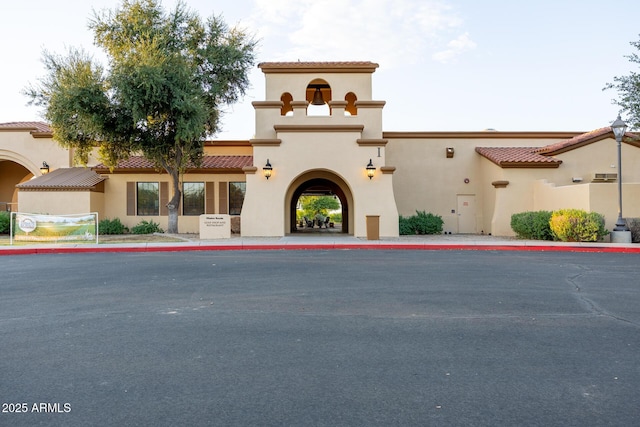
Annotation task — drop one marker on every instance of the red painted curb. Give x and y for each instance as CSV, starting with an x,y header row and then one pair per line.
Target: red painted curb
x,y
297,247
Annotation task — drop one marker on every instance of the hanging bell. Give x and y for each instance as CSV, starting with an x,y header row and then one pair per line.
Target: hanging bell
x,y
317,97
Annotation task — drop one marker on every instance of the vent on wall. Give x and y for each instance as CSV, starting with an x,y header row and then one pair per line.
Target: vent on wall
x,y
605,177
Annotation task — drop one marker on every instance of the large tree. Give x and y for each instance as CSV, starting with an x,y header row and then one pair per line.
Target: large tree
x,y
169,75
628,88
318,205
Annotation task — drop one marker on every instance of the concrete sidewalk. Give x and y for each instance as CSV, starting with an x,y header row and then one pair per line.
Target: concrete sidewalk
x,y
325,242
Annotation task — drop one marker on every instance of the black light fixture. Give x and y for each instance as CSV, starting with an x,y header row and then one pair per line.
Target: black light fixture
x,y
44,169
266,170
450,152
371,170
619,128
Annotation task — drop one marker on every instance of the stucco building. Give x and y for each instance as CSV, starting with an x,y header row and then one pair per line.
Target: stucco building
x,y
320,131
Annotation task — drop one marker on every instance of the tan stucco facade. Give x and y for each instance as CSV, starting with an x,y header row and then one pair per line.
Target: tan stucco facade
x,y
116,189
23,149
474,180
62,202
327,150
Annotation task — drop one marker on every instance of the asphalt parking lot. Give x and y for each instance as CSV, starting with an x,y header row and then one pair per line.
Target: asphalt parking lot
x,y
320,338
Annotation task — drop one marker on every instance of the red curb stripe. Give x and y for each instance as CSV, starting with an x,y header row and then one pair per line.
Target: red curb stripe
x,y
295,247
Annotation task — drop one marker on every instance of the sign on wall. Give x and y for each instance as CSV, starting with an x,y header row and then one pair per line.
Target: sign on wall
x,y
54,228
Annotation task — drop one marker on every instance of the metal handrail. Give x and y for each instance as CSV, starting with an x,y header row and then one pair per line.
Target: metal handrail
x,y
7,206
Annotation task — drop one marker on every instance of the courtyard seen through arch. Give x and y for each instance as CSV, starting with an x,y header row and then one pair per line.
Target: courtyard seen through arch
x,y
318,185
320,213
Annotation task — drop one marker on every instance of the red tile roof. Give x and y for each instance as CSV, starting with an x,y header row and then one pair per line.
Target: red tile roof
x,y
514,157
310,67
584,139
208,163
34,127
576,141
64,179
518,157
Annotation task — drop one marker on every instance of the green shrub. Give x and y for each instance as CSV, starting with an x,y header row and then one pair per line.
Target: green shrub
x,y
112,226
5,222
146,227
421,223
575,225
405,226
634,227
532,225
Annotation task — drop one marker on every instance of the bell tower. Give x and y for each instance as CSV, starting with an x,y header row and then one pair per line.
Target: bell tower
x,y
319,129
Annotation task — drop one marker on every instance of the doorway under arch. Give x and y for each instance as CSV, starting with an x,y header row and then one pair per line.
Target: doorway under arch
x,y
12,173
319,182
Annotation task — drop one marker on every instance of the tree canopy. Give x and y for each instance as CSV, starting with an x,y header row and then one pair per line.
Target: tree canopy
x,y
628,88
168,77
318,205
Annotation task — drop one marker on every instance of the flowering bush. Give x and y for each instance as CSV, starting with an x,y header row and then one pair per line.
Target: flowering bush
x,y
575,225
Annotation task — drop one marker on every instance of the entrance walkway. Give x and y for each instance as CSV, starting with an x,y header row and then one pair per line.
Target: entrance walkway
x,y
315,231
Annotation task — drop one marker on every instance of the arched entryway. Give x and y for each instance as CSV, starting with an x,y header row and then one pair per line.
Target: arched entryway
x,y
319,182
12,173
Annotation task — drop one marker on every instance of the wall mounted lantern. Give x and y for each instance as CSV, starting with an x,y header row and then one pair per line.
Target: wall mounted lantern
x,y
266,170
44,169
450,152
619,128
371,170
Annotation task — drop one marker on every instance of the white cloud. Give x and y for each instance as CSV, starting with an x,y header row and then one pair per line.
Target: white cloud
x,y
390,32
454,48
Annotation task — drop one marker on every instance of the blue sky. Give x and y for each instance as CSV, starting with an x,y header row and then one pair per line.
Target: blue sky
x,y
444,65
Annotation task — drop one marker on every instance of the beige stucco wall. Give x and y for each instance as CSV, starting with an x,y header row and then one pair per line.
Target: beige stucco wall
x,y
60,202
591,197
549,197
552,189
242,148
598,157
560,191
116,200
517,197
605,201
21,156
301,153
427,180
296,85
21,147
335,146
489,173
330,146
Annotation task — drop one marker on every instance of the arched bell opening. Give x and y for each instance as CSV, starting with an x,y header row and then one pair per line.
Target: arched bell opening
x,y
318,95
351,108
319,183
286,109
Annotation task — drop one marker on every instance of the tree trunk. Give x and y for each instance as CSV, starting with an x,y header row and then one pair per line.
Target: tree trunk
x,y
174,204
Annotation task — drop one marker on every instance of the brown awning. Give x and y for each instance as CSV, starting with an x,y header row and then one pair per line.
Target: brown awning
x,y
70,179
